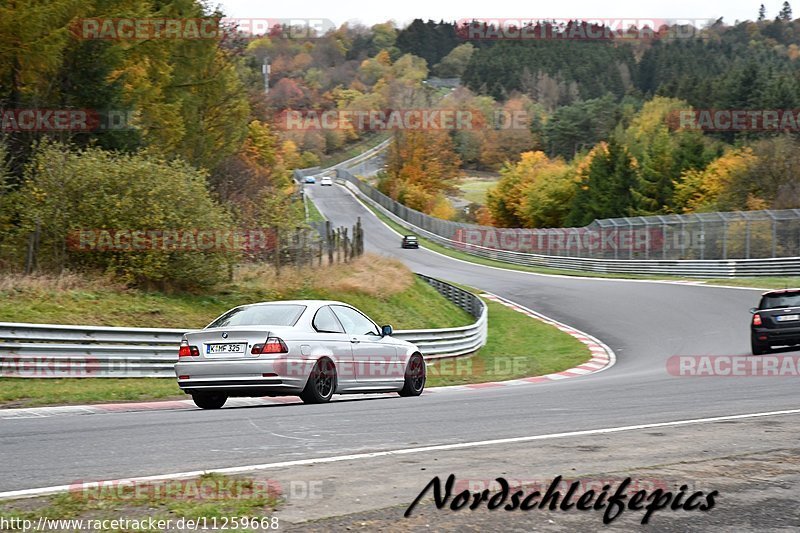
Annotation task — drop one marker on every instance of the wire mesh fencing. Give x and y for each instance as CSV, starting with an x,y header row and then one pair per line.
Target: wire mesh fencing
x,y
697,236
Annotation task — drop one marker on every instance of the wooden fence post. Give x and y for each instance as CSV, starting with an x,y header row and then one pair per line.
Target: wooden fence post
x,y
359,238
277,252
329,240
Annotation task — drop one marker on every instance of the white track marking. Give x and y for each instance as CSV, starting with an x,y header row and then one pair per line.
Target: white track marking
x,y
44,491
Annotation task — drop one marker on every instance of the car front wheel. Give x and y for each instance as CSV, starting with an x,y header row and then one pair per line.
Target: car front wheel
x,y
415,376
209,400
321,383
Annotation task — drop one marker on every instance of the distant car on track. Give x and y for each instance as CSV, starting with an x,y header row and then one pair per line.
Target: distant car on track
x,y
326,180
409,241
310,179
309,348
776,321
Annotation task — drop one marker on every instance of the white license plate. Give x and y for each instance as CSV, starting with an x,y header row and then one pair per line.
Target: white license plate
x,y
225,348
787,318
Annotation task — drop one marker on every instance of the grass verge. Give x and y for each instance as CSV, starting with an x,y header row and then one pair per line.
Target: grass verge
x,y
210,496
381,287
313,213
756,282
38,392
517,346
473,189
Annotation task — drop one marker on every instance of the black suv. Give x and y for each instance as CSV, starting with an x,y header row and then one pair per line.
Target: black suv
x,y
409,241
776,321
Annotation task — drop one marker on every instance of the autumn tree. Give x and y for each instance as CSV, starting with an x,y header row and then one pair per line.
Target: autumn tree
x,y
454,63
606,190
714,187
529,192
774,179
261,170
68,189
664,152
546,204
421,167
507,133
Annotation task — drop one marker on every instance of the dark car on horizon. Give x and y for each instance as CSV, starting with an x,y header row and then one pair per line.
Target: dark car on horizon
x,y
409,241
776,321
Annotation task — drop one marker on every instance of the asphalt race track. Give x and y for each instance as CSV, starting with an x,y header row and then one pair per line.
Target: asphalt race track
x,y
643,322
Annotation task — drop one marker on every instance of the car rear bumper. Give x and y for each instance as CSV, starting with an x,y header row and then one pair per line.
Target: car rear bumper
x,y
776,337
244,378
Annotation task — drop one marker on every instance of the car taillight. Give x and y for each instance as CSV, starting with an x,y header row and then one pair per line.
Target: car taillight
x,y
756,319
273,345
188,351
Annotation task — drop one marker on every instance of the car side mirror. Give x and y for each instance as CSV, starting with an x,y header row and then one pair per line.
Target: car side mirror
x,y
386,330
753,310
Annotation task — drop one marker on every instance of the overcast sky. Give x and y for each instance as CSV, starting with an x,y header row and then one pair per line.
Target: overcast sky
x,y
403,11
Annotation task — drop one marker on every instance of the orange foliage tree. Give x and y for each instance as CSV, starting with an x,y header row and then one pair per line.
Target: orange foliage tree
x,y
421,167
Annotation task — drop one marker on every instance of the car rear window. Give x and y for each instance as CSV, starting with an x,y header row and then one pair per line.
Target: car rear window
x,y
790,299
260,315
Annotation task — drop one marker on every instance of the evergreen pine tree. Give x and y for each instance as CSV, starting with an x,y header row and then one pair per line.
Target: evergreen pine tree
x,y
786,12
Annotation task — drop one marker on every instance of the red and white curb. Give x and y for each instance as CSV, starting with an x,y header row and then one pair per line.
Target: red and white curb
x,y
602,359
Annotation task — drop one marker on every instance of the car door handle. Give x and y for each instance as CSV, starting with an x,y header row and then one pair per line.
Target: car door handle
x,y
354,341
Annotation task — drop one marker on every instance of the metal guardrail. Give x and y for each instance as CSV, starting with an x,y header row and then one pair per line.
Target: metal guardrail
x,y
369,154
53,351
300,173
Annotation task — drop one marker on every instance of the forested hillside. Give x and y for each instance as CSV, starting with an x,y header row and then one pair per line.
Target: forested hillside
x,y
577,129
166,132
605,139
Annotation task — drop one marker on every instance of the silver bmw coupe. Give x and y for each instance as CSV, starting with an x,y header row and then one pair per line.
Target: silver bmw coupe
x,y
310,348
